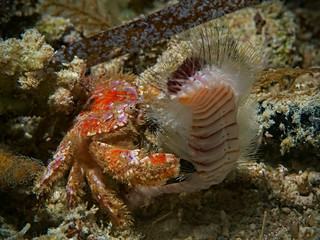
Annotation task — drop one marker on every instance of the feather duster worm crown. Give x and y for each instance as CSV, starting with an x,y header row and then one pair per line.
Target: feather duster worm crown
x,y
200,85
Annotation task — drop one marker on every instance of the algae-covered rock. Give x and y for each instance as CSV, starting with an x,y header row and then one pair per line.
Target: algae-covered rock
x,y
53,27
290,108
271,28
24,55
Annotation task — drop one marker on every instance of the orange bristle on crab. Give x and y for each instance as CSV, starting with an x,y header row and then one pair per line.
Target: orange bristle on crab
x,y
201,86
101,148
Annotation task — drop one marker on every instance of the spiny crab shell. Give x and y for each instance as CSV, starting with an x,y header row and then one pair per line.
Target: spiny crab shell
x,y
101,147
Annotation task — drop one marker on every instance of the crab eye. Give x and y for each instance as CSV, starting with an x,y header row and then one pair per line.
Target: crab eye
x,y
130,109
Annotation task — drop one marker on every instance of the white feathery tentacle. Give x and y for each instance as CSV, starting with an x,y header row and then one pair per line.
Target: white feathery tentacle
x,y
203,82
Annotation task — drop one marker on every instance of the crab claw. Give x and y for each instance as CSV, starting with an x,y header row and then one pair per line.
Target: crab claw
x,y
132,168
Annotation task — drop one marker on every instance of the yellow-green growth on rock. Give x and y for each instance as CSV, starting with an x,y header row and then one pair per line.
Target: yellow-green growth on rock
x,y
17,170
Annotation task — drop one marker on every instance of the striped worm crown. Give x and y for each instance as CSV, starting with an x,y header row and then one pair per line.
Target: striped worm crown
x,y
200,85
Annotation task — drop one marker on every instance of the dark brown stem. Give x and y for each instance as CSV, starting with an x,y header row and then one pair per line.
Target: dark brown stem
x,y
148,30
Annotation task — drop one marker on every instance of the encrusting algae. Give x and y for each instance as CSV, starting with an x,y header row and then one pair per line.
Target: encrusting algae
x,y
17,170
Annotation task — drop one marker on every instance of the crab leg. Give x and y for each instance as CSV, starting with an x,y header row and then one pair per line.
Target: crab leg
x,y
56,168
132,168
108,199
73,188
